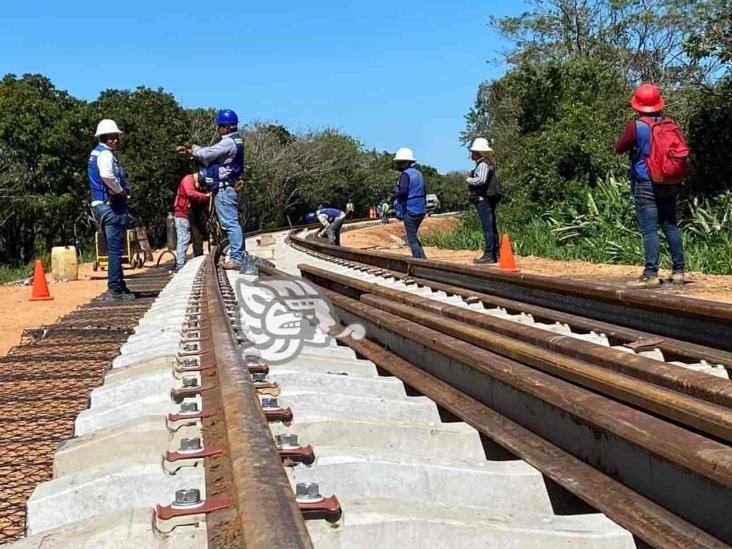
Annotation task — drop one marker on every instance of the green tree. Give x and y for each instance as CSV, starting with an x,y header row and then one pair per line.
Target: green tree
x,y
42,166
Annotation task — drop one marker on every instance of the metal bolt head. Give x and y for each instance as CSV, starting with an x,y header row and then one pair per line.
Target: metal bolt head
x,y
286,441
190,382
269,402
308,491
190,445
189,407
187,497
259,377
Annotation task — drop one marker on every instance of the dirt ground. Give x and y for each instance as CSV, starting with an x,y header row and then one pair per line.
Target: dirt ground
x,y
391,238
18,314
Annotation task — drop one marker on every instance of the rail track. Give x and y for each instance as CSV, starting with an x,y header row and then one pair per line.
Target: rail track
x,y
482,409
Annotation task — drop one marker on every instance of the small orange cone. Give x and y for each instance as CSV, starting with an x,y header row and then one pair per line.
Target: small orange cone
x,y
507,262
40,286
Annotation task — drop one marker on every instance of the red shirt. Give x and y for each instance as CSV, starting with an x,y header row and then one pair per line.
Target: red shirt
x,y
626,141
187,192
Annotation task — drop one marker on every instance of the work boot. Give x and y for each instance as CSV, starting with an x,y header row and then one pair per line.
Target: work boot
x,y
230,265
485,260
644,282
117,295
677,279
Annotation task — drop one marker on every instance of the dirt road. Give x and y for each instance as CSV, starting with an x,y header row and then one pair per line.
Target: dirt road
x,y
18,314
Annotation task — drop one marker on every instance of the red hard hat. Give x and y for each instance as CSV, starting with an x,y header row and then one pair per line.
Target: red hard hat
x,y
647,98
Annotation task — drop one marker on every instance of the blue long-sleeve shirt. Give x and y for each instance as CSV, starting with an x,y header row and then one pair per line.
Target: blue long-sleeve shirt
x,y
217,153
401,192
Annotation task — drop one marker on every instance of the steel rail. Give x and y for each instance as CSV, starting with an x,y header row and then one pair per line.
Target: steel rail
x,y
695,320
267,514
645,519
654,457
673,349
695,384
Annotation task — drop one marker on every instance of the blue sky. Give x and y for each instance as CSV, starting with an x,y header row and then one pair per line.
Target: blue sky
x,y
392,74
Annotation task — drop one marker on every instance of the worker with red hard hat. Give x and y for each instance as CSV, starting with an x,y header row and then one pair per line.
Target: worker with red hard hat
x,y
658,156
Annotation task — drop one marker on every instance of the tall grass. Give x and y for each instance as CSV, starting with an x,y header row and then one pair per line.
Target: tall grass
x,y
602,228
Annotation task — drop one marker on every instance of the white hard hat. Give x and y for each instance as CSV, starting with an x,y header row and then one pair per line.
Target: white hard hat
x,y
106,127
481,145
405,154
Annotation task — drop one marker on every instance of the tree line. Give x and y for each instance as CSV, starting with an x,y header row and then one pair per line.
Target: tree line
x,y
554,115
46,135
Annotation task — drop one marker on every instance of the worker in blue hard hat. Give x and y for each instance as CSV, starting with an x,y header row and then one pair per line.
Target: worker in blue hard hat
x,y
332,221
228,156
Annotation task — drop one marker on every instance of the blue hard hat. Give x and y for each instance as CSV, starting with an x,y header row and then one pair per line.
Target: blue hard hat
x,y
310,218
226,117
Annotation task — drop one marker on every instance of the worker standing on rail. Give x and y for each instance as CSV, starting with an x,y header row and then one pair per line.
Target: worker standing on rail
x,y
188,208
109,192
484,190
409,199
228,154
658,156
332,221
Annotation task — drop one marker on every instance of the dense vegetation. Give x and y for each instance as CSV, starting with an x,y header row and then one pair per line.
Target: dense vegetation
x,y
46,136
554,115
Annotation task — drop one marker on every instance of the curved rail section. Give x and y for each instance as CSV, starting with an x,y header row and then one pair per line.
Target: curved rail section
x,y
654,429
693,320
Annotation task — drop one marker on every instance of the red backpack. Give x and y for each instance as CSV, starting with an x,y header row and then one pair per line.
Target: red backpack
x,y
667,161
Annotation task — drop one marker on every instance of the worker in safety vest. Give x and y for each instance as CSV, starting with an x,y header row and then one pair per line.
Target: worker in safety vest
x,y
109,192
409,199
188,209
228,154
484,190
332,221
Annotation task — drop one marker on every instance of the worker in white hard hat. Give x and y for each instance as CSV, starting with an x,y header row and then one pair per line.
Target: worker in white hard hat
x,y
409,199
484,190
109,193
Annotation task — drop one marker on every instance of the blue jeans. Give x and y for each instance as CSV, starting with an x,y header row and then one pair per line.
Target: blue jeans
x,y
656,205
183,237
411,226
334,232
113,221
226,203
487,213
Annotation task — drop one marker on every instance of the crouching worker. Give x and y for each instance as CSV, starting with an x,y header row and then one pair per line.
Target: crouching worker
x,y
109,193
188,209
332,221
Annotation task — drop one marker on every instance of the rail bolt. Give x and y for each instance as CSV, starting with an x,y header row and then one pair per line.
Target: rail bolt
x,y
187,497
270,403
259,377
190,382
189,407
286,441
308,492
190,445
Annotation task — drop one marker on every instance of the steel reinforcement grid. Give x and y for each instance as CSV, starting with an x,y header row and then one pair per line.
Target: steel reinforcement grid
x,y
46,381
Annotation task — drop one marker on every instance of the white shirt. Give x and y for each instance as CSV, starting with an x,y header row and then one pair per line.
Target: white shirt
x,y
109,170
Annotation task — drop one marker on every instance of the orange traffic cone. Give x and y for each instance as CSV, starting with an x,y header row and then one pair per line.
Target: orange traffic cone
x,y
507,262
40,286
